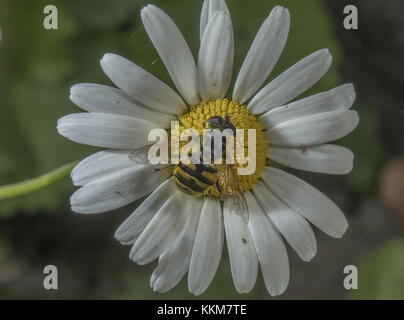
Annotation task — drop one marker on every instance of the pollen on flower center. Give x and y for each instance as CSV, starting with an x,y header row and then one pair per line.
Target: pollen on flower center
x,y
240,118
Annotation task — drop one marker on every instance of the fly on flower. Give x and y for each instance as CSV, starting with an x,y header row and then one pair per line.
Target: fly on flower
x,y
198,176
189,210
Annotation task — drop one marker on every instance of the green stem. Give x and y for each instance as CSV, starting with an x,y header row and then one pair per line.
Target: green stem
x,y
20,188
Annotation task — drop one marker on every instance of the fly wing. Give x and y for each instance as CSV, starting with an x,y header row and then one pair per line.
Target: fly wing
x,y
141,156
233,190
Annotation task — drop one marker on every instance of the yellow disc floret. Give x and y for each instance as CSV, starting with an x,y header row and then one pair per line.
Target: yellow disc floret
x,y
241,119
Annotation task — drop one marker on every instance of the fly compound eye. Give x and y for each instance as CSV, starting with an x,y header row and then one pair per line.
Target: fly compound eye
x,y
214,122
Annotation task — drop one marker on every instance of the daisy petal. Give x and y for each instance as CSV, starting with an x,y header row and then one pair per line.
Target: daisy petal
x,y
263,54
313,130
141,85
98,98
292,82
243,258
308,201
173,50
117,189
215,63
339,98
271,250
327,158
106,130
294,228
173,263
131,228
162,231
207,249
209,8
99,165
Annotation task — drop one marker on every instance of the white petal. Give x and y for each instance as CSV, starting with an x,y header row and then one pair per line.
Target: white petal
x,y
215,63
313,130
339,98
117,189
295,229
99,165
327,158
173,263
243,258
207,249
271,250
292,82
106,130
263,54
131,228
173,50
98,98
141,85
308,201
163,229
209,8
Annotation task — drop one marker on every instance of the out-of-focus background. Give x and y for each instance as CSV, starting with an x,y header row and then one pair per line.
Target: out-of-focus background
x,y
37,68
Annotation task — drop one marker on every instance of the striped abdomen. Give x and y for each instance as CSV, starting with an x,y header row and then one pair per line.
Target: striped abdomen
x,y
195,179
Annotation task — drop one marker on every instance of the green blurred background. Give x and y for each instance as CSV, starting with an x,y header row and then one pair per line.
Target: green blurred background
x,y
37,68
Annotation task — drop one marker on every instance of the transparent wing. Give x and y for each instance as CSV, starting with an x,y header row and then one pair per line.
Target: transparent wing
x,y
141,156
232,190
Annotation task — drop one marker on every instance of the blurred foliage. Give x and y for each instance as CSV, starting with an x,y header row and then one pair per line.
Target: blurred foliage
x,y
381,276
4,258
364,141
38,66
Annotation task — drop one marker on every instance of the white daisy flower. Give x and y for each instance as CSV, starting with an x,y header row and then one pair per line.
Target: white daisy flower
x,y
186,233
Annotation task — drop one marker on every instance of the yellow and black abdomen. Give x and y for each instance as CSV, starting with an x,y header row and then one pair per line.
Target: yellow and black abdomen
x,y
195,179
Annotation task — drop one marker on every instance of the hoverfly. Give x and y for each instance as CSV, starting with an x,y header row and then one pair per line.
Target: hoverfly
x,y
197,179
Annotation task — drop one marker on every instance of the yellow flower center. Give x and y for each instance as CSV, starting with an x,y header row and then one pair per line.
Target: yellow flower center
x,y
240,118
